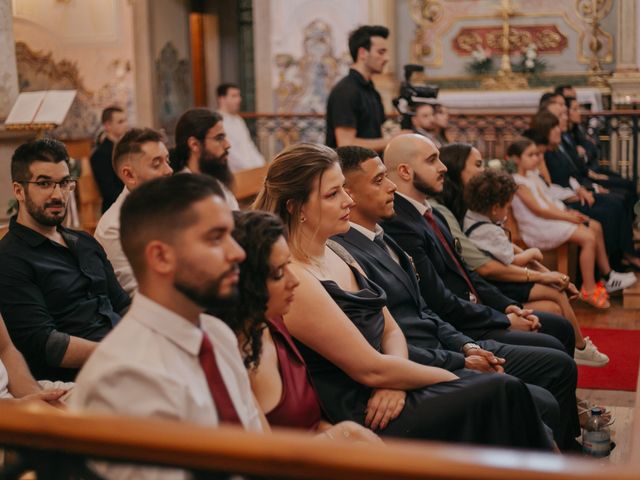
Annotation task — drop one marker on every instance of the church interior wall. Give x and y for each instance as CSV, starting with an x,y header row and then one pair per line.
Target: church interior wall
x,y
85,45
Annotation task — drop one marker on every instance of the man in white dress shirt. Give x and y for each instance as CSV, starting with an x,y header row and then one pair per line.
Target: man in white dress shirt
x,y
243,154
202,147
162,359
138,157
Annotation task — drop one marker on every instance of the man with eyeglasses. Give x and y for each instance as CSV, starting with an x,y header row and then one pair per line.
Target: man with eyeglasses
x,y
202,147
58,294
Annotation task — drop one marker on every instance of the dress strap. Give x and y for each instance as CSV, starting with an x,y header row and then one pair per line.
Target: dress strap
x,y
342,252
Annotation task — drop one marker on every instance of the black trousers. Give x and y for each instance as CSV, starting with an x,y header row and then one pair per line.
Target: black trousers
x,y
479,409
552,370
611,212
555,332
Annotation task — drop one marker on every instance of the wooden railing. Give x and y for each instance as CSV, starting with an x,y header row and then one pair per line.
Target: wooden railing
x,y
491,132
64,441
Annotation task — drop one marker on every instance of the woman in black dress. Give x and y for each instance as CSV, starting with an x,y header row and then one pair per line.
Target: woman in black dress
x,y
355,352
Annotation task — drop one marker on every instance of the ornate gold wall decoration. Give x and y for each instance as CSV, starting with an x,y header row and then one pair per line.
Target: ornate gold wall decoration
x,y
547,39
426,12
592,12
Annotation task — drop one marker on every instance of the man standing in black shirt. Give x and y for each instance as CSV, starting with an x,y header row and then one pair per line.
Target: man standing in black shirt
x,y
354,111
114,123
58,293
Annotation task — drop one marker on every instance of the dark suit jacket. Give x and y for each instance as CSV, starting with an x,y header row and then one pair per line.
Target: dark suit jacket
x,y
431,340
442,286
109,184
561,167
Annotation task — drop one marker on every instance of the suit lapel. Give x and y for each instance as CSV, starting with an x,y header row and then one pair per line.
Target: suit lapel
x,y
413,215
380,257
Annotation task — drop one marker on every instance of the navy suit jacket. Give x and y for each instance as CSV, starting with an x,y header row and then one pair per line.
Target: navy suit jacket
x,y
439,274
562,167
431,340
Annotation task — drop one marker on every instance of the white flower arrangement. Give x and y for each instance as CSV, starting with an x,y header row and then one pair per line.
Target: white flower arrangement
x,y
530,62
481,62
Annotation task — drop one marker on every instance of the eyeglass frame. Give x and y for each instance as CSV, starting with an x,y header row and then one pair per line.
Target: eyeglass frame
x,y
68,189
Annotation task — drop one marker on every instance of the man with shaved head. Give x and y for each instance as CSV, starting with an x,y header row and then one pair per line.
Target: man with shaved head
x,y
414,165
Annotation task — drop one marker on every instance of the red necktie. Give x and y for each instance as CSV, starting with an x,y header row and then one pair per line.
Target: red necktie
x,y
436,229
224,406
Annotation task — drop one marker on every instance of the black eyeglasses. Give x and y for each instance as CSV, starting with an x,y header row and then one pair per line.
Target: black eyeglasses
x,y
66,184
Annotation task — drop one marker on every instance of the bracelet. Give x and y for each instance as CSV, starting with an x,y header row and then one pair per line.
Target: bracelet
x,y
526,270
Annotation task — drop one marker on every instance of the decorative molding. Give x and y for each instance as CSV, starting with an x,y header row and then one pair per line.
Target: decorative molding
x,y
38,70
547,39
304,84
592,32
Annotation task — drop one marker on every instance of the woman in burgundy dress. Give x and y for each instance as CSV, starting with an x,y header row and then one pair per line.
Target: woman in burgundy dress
x,y
278,374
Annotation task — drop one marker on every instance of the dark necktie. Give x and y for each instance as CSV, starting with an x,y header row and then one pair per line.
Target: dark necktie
x,y
378,240
224,406
443,241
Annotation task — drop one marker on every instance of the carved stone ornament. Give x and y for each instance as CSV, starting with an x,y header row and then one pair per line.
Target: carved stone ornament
x,y
173,87
304,84
38,70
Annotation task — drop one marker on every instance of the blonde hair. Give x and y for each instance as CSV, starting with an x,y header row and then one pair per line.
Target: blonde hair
x,y
289,183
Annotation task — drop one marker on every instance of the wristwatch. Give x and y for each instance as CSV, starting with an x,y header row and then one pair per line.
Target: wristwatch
x,y
470,346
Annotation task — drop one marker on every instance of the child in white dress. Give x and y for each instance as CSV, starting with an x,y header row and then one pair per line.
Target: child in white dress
x,y
546,223
488,196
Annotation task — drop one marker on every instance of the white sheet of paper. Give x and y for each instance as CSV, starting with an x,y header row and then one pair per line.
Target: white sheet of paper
x,y
55,106
25,108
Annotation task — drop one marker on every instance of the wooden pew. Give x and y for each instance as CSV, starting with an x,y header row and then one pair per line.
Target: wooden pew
x,y
247,184
282,454
90,201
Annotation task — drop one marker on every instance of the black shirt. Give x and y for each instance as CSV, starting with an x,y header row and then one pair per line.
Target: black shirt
x,y
354,103
108,182
48,292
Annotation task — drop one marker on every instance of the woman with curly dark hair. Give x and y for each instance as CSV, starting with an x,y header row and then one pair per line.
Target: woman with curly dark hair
x,y
277,371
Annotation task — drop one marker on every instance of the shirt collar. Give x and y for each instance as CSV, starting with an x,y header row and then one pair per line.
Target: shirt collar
x,y
421,207
357,76
379,232
477,217
33,238
169,324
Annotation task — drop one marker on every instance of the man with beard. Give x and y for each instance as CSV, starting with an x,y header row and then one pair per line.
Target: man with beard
x,y
433,340
138,157
58,293
355,113
202,147
167,358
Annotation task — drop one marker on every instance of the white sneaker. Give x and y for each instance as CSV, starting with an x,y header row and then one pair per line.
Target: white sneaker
x,y
590,356
619,281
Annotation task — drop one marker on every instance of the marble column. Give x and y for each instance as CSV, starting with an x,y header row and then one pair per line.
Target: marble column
x,y
8,67
383,12
625,82
8,94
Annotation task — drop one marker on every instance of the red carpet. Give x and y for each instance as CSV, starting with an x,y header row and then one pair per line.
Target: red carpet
x,y
623,349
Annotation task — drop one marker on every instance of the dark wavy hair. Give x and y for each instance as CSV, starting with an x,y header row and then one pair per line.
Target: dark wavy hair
x,y
489,188
454,156
195,122
256,232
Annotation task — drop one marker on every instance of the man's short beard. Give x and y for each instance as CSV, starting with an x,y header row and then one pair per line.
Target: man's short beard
x,y
422,187
40,216
208,297
216,167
